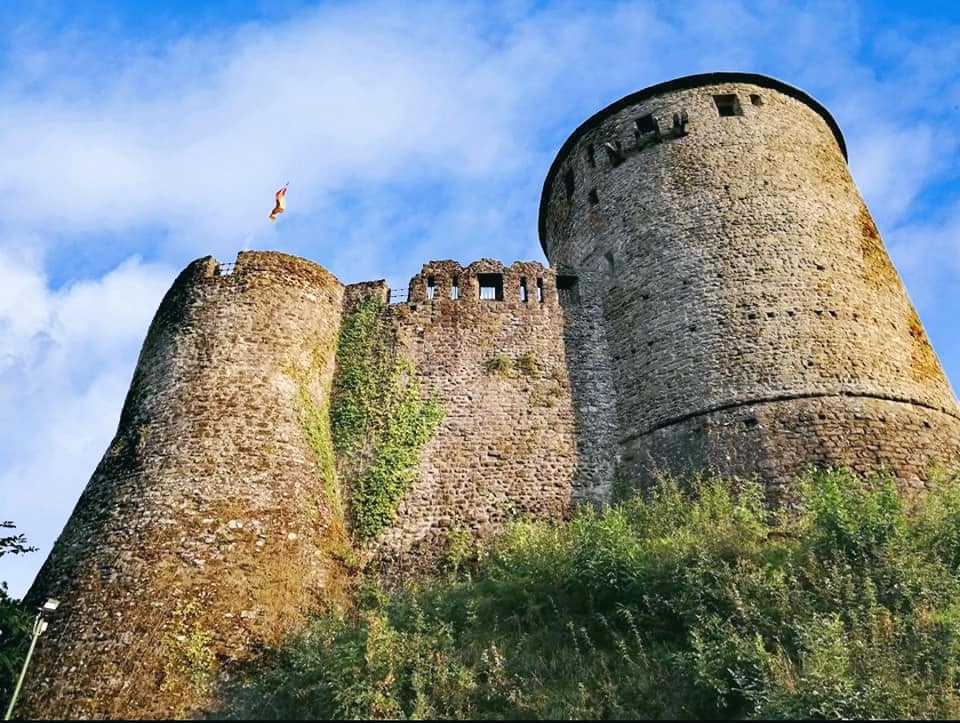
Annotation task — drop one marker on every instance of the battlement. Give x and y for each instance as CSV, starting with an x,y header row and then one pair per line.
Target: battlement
x,y
280,266
528,284
656,117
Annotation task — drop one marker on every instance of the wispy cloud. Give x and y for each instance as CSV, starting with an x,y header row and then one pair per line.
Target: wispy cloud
x,y
65,364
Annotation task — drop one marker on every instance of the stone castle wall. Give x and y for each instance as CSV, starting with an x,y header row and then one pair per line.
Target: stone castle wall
x,y
199,527
506,445
719,299
200,536
738,266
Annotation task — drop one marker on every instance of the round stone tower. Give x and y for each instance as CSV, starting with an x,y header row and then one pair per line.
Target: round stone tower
x,y
754,321
198,535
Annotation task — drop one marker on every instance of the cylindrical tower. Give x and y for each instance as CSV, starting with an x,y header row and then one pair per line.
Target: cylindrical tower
x,y
199,534
754,320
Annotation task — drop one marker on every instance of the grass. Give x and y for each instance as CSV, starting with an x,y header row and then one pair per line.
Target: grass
x,y
696,603
498,365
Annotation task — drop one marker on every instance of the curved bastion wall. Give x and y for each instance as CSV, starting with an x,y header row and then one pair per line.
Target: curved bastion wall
x,y
753,317
197,536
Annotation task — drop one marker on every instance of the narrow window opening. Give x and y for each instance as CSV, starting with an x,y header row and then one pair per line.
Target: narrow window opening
x,y
567,290
646,124
540,290
591,156
491,286
455,288
431,287
568,183
614,153
756,99
609,257
680,121
728,105
523,289
593,197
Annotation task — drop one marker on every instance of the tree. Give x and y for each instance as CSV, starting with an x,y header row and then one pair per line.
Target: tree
x,y
14,619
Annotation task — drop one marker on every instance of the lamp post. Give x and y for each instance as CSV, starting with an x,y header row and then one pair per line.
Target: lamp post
x,y
39,625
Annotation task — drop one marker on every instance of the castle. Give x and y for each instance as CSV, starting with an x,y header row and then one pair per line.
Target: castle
x,y
718,298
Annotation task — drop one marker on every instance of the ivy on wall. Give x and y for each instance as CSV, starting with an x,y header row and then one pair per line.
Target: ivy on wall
x,y
360,377
378,419
316,425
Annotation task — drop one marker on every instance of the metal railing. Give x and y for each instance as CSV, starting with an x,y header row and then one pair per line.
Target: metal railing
x,y
398,296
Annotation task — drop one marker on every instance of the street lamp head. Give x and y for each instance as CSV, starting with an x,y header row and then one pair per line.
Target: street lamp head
x,y
50,605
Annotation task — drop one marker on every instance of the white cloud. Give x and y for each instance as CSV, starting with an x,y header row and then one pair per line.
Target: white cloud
x,y
67,359
318,102
893,165
927,254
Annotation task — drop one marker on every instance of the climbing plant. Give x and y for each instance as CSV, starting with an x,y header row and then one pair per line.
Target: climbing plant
x,y
378,419
316,425
360,379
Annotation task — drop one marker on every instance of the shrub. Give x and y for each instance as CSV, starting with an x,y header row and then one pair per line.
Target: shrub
x,y
695,603
499,364
15,618
527,364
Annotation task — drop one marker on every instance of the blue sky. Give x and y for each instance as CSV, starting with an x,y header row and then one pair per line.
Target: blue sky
x,y
136,137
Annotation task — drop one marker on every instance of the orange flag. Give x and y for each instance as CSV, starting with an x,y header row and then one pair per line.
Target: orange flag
x,y
281,205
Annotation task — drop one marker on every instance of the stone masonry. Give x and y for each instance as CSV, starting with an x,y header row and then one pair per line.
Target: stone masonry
x,y
202,518
719,300
753,318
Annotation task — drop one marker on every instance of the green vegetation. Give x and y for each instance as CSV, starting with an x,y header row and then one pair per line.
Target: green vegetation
x,y
316,425
189,656
498,364
15,620
408,423
527,364
379,421
694,604
546,395
362,372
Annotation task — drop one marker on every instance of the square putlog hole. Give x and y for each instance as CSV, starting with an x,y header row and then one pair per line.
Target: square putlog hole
x,y
728,105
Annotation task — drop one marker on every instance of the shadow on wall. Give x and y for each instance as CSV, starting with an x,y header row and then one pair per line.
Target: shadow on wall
x,y
592,384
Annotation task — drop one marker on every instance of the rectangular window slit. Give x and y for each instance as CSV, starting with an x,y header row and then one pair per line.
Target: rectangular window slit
x,y
431,287
646,124
591,156
491,286
540,290
593,197
523,288
756,99
727,105
567,291
455,288
614,153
